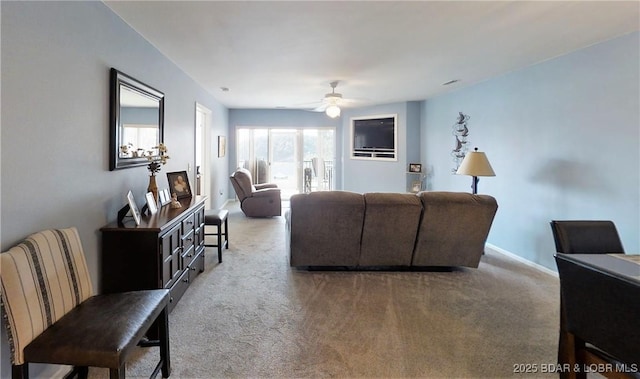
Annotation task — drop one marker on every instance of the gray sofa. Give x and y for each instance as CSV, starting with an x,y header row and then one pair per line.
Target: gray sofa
x,y
339,228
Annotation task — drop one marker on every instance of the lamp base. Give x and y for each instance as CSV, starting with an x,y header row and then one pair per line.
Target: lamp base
x,y
474,185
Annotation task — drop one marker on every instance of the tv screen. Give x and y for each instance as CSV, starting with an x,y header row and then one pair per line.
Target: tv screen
x,y
378,133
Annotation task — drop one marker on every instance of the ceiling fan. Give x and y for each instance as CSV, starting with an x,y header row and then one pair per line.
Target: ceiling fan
x,y
331,102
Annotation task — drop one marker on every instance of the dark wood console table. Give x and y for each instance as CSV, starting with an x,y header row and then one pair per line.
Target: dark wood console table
x,y
165,251
600,306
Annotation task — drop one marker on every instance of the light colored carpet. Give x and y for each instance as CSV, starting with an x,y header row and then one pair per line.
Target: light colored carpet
x,y
254,316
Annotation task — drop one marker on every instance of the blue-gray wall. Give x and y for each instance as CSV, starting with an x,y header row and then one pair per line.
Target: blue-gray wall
x,y
375,175
55,173
563,137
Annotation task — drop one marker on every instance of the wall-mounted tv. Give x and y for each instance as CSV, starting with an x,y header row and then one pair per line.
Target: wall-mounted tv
x,y
374,137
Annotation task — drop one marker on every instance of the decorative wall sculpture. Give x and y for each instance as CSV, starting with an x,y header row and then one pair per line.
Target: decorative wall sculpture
x,y
460,132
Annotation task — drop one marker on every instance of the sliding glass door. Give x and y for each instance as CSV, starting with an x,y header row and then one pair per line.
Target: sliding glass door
x,y
284,160
296,159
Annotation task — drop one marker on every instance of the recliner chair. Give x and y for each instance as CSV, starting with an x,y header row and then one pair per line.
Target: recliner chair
x,y
259,200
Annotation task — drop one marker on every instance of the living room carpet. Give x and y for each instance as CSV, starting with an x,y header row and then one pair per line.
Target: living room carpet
x,y
254,316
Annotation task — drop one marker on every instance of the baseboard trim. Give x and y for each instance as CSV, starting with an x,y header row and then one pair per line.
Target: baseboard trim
x,y
520,259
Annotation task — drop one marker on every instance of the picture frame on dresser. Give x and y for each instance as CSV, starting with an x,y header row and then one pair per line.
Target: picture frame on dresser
x,y
164,197
179,184
133,208
152,206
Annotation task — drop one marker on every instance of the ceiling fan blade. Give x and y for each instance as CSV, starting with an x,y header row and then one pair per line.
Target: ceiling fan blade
x,y
321,108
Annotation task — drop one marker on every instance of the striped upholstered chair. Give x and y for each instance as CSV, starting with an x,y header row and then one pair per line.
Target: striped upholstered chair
x,y
53,317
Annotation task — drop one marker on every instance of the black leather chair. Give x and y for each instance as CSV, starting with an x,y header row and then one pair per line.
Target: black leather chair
x,y
583,237
586,237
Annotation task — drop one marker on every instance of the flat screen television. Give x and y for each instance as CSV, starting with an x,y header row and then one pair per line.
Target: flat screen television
x,y
374,137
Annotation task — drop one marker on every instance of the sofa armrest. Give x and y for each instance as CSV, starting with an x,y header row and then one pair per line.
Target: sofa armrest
x,y
263,203
265,185
267,192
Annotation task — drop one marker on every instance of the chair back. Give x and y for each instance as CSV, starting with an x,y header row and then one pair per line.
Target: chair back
x,y
242,183
319,172
586,237
43,278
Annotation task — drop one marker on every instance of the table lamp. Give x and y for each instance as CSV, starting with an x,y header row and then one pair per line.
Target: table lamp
x,y
475,164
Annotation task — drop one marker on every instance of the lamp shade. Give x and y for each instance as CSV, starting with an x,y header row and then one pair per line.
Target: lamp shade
x,y
475,163
333,111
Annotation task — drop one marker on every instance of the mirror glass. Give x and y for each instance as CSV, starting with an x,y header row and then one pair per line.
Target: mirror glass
x,y
137,118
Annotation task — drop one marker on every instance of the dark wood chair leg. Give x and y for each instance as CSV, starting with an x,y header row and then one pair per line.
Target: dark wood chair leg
x,y
219,226
20,371
117,373
83,372
163,323
226,233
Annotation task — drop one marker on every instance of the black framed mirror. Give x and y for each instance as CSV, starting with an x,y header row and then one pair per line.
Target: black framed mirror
x,y
136,121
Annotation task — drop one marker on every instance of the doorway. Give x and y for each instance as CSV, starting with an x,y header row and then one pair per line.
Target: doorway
x,y
296,159
203,157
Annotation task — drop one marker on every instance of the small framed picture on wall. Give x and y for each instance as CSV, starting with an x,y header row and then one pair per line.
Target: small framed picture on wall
x,y
415,167
222,146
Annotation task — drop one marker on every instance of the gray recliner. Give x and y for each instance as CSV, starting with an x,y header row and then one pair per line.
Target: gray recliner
x,y
259,200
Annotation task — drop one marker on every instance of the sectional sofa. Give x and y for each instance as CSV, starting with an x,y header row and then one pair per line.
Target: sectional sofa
x,y
339,228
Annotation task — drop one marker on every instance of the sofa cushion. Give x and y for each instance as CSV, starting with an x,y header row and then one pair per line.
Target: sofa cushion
x,y
325,228
390,225
101,331
453,229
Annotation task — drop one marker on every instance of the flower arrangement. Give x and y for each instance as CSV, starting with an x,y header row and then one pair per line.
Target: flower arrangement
x,y
157,160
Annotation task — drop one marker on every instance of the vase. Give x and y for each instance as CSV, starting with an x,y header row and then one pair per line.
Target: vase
x,y
153,187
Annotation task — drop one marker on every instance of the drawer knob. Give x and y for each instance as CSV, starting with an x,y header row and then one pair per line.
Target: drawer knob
x,y
186,280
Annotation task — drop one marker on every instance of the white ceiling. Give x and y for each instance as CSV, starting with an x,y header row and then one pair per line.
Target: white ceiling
x,y
284,54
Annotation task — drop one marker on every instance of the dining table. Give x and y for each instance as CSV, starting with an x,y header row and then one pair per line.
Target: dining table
x,y
600,309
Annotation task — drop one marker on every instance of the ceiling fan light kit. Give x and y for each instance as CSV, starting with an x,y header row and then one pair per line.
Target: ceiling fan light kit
x,y
333,111
333,98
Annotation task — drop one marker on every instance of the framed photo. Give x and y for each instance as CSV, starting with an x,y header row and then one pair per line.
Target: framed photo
x,y
179,184
151,203
164,197
222,146
133,208
416,186
415,167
